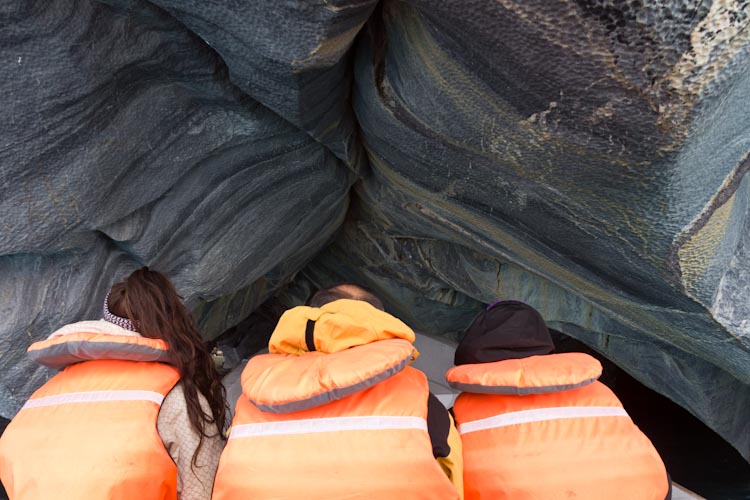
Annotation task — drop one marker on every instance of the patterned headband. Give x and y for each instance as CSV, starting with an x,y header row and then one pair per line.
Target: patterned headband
x,y
116,320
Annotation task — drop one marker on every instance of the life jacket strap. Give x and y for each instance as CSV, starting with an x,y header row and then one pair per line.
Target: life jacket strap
x,y
540,415
94,397
310,335
335,424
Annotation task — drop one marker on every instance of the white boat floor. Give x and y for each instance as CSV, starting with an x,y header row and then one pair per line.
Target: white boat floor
x,y
682,493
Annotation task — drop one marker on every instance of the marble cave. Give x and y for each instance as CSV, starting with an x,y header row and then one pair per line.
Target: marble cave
x,y
589,157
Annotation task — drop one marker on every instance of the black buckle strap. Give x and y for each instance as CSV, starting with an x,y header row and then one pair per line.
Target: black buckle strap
x,y
310,335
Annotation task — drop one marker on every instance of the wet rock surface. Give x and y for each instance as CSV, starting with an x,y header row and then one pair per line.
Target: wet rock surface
x,y
587,157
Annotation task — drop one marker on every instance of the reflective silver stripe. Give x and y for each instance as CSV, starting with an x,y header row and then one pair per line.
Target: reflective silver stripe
x,y
314,425
539,415
94,397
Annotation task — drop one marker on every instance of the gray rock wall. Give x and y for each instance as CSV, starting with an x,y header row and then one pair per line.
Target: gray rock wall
x,y
125,144
529,133
293,57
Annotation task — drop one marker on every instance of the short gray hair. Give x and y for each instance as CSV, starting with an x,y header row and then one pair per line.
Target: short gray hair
x,y
345,291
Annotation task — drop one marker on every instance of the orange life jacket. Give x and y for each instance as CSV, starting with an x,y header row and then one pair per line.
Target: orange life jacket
x,y
344,424
544,428
90,432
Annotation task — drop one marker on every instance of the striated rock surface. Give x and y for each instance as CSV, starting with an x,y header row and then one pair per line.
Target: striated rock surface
x,y
124,144
588,157
291,56
597,155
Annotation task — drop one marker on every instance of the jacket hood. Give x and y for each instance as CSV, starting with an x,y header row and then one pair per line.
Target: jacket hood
x,y
506,330
335,327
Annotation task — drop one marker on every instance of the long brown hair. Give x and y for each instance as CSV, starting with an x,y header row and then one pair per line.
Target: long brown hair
x,y
149,300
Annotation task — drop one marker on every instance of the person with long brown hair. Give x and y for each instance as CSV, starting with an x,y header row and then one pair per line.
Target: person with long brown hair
x,y
138,410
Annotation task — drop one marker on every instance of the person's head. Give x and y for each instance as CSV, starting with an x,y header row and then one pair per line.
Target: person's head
x,y
150,302
508,329
345,291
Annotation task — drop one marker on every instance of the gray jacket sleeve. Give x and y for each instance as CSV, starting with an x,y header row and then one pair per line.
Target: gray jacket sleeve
x,y
180,440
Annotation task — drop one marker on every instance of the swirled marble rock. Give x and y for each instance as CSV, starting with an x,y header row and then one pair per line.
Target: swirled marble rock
x,y
123,143
596,152
293,57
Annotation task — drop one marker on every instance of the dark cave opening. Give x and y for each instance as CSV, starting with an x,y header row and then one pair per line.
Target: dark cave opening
x,y
695,456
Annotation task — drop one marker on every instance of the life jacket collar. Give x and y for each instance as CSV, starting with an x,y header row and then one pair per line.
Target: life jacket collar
x,y
534,375
285,383
87,341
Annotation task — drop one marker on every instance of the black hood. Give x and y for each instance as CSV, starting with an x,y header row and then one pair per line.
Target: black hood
x,y
506,330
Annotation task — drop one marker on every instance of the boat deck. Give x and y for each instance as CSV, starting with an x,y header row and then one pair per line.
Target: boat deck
x,y
682,493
